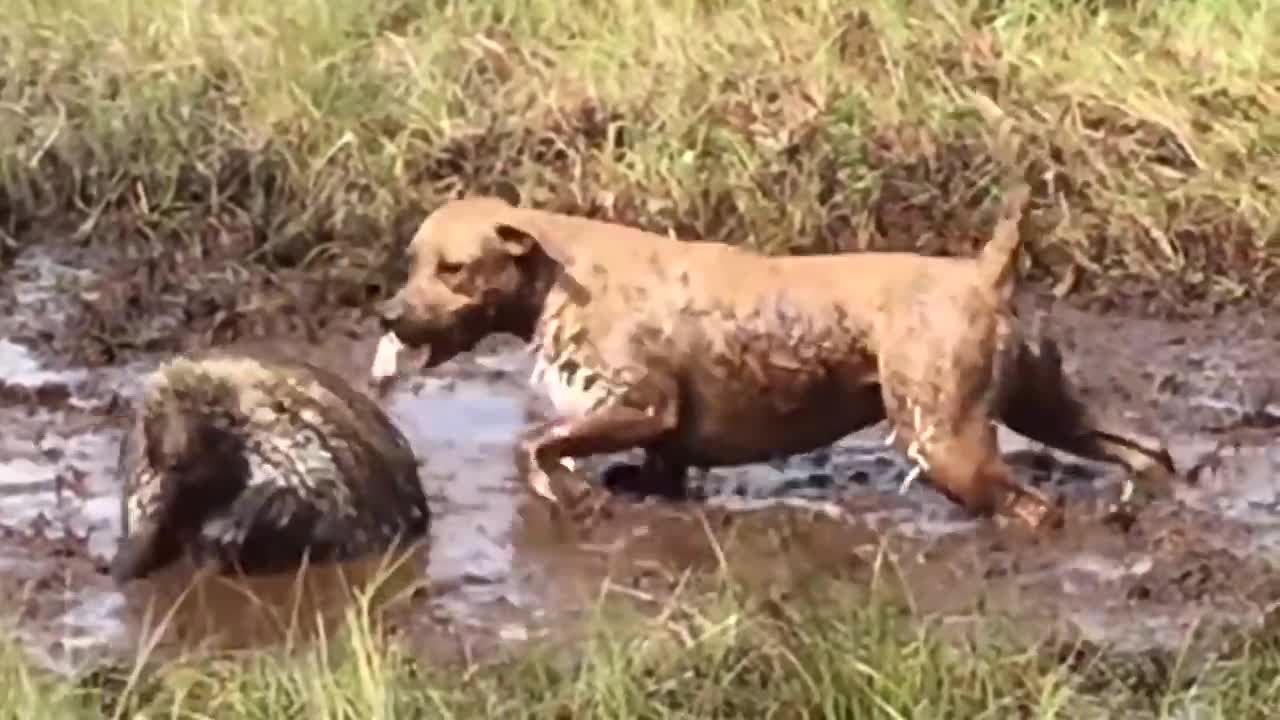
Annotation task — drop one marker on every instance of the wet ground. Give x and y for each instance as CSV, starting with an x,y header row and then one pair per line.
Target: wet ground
x,y
501,566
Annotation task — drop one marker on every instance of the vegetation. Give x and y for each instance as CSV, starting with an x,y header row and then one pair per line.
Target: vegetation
x,y
234,160
832,652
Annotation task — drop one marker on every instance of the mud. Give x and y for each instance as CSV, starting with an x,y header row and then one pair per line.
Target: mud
x,y
502,566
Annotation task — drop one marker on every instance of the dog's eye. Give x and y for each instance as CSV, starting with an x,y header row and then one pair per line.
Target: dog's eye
x,y
448,268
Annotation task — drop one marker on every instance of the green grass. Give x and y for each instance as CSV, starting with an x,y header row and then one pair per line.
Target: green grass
x,y
835,653
307,138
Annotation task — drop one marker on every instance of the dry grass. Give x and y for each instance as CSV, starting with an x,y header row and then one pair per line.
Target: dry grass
x,y
277,153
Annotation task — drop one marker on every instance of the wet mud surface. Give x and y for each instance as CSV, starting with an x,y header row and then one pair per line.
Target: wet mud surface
x,y
503,566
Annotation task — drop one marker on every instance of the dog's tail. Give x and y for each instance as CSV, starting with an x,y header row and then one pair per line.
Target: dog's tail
x,y
996,263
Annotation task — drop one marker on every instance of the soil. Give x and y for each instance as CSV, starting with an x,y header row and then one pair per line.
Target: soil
x,y
502,566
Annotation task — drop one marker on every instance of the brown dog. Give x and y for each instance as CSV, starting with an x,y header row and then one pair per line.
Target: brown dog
x,y
705,354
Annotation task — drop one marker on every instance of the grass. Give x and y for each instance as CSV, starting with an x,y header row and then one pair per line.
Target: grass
x,y
236,161
834,652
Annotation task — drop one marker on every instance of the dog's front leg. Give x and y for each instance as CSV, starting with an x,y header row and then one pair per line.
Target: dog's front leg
x,y
639,418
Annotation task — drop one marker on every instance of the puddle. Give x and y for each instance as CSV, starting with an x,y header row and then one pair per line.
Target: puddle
x,y
498,566
464,430
18,366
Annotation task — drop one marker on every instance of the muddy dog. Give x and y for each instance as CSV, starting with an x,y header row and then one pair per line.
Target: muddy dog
x,y
705,354
253,462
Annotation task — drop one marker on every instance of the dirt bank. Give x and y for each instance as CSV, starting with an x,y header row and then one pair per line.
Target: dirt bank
x,y
223,192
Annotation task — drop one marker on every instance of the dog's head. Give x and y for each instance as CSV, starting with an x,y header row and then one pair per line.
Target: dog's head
x,y
476,267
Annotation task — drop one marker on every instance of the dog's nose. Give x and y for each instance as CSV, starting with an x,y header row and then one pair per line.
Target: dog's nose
x,y
390,312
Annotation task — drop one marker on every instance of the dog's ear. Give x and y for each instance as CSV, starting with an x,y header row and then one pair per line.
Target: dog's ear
x,y
519,242
515,241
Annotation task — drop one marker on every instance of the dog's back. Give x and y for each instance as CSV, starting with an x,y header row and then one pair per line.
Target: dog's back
x,y
256,461
689,273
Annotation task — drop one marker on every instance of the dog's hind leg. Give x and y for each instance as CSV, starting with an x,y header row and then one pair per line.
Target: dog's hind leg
x,y
960,458
1040,403
937,384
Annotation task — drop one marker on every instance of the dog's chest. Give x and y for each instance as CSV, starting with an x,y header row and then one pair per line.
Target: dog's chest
x,y
567,372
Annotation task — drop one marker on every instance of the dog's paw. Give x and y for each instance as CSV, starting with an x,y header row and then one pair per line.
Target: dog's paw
x,y
540,476
540,483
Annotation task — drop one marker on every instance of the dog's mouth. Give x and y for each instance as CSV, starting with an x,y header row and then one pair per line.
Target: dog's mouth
x,y
388,358
416,338
426,349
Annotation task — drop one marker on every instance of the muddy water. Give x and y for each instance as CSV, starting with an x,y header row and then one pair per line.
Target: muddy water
x,y
502,566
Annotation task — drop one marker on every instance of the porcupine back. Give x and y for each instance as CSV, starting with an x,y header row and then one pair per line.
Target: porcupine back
x,y
319,467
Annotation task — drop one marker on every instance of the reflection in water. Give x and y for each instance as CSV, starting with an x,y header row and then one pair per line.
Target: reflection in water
x,y
203,610
464,431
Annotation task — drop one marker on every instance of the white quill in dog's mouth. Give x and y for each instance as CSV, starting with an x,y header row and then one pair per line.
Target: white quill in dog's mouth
x,y
386,357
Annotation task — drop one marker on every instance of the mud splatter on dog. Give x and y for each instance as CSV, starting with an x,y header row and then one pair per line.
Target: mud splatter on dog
x,y
254,463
